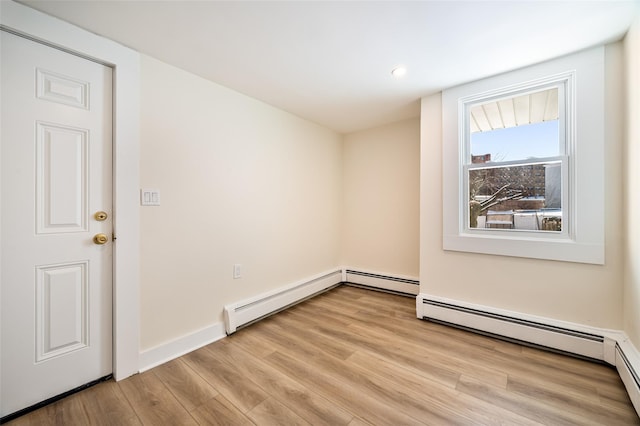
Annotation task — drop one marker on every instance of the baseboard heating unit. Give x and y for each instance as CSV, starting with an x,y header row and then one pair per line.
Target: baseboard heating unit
x,y
397,285
243,313
628,365
531,331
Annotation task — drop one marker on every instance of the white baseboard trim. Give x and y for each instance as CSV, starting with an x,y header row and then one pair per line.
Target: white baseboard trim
x,y
166,352
247,311
404,285
610,346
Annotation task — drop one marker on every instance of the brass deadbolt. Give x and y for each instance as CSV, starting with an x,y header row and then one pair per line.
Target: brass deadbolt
x,y
100,216
100,239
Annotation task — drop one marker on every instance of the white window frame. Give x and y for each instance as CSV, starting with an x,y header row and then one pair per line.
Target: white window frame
x,y
564,82
581,76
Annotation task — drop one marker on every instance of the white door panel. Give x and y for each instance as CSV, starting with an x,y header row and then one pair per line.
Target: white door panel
x,y
55,174
62,154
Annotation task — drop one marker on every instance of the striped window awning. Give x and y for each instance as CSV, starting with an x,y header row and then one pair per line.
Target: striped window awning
x,y
515,111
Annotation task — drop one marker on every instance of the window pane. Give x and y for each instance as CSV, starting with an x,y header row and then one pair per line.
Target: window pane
x,y
524,196
515,128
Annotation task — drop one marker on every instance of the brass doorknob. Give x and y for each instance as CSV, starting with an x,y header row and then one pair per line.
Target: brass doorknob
x,y
100,216
100,239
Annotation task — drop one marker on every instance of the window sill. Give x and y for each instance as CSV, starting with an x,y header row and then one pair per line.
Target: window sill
x,y
528,246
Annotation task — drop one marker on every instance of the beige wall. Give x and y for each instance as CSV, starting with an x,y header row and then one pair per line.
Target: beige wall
x,y
241,182
632,187
381,199
580,293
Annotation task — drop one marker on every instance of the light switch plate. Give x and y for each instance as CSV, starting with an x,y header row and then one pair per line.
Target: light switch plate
x,y
237,271
149,197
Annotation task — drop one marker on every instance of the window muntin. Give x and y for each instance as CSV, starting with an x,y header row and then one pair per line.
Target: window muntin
x,y
515,161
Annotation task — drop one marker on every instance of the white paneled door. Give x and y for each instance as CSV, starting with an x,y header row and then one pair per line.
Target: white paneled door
x,y
56,222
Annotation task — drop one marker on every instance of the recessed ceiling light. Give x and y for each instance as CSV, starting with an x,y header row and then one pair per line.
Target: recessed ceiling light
x,y
399,71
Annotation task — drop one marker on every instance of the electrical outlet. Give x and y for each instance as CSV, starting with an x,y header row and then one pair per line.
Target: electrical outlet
x,y
237,271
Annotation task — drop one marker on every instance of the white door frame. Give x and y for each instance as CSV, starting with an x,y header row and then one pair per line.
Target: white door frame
x,y
126,152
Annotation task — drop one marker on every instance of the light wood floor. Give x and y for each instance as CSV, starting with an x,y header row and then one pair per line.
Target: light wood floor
x,y
354,357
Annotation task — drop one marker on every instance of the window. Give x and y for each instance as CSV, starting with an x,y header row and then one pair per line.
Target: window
x,y
515,157
523,167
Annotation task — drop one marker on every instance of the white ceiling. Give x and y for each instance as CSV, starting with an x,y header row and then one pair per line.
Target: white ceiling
x,y
330,61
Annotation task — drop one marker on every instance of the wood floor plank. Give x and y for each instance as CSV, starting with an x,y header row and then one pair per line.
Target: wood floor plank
x,y
67,411
614,395
298,398
152,401
392,394
219,411
621,408
300,324
546,365
103,404
252,345
185,384
605,375
396,309
447,376
549,372
460,364
323,342
226,379
534,383
280,337
272,412
331,302
563,399
531,408
412,327
249,344
106,404
322,314
359,422
432,394
342,393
